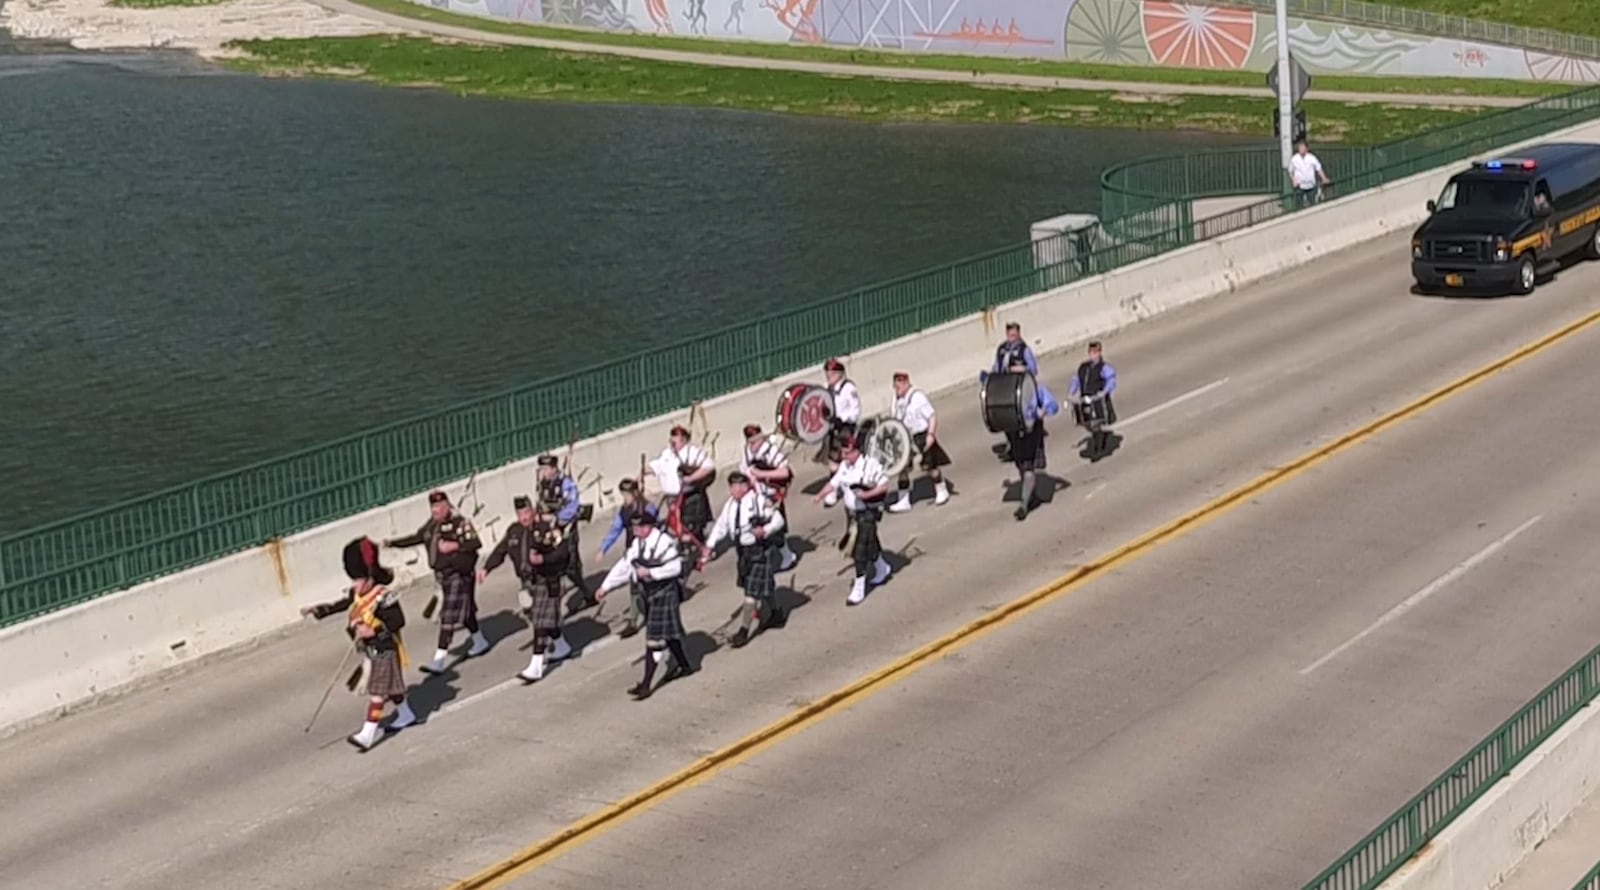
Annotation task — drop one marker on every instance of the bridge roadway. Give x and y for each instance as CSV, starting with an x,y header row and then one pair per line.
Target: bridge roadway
x,y
1194,717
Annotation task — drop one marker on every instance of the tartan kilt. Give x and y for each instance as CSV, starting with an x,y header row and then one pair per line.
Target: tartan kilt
x,y
695,512
460,599
383,675
1027,449
663,619
757,568
930,458
545,616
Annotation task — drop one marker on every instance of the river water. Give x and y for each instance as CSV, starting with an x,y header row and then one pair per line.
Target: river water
x,y
200,269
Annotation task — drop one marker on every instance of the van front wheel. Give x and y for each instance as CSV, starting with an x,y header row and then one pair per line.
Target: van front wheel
x,y
1594,243
1527,273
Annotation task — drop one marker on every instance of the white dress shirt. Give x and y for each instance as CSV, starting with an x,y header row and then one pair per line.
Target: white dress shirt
x,y
1303,170
656,547
846,402
769,452
866,472
914,410
736,524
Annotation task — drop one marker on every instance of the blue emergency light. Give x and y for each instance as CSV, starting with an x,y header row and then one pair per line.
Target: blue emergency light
x,y
1501,165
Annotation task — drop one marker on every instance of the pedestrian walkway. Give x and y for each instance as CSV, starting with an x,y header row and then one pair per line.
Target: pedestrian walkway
x,y
1026,81
1562,860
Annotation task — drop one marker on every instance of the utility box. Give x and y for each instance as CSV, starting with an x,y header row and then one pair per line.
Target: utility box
x,y
1065,243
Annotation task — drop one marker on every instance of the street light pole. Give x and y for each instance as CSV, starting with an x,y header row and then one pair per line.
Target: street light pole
x,y
1285,87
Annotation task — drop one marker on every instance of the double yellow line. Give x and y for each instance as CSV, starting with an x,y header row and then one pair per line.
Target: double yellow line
x,y
601,821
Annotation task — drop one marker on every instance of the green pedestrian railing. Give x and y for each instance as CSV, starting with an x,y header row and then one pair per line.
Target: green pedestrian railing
x,y
1433,24
74,560
1591,881
1175,182
1381,853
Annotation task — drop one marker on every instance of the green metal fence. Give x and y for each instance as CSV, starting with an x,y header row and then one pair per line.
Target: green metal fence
x,y
1390,845
1591,881
1431,23
1175,182
67,562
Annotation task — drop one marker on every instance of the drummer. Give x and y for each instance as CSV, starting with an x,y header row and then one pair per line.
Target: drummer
x,y
1091,399
1014,354
1027,445
846,414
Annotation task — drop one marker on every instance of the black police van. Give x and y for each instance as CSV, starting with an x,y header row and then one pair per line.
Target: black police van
x,y
1507,221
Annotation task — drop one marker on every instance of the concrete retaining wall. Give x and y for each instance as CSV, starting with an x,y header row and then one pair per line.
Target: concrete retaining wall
x,y
74,656
1482,846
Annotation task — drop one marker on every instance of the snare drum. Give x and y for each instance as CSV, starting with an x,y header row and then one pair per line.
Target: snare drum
x,y
805,412
1091,413
1003,398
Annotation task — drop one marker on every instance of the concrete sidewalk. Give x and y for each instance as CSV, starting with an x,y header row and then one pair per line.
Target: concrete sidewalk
x,y
1563,860
1024,81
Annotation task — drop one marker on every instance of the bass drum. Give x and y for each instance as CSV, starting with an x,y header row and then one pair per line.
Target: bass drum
x,y
891,444
1002,399
804,412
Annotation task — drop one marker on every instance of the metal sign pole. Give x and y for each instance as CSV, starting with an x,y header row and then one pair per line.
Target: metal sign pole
x,y
1286,85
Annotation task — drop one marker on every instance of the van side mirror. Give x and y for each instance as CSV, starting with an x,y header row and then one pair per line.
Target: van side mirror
x,y
1541,210
1430,205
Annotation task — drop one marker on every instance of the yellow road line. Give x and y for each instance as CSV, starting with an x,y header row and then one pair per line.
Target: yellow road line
x,y
601,821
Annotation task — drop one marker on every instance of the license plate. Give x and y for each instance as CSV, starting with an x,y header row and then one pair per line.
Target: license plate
x,y
1453,280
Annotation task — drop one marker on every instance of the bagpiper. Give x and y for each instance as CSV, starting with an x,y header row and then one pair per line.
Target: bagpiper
x,y
753,523
862,483
653,561
633,502
845,420
769,471
559,497
374,619
453,546
684,470
539,555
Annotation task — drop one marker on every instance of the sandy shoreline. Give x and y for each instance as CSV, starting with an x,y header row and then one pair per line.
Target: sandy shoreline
x,y
91,24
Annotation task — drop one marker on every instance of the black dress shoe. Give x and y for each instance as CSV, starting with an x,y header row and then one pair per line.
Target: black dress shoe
x,y
640,691
739,639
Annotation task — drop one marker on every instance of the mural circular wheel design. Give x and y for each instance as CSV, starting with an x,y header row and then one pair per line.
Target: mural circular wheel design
x,y
1544,66
1105,31
1188,36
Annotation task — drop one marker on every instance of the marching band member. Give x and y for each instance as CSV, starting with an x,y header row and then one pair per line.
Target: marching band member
x,y
652,560
374,619
913,408
846,415
768,468
1014,354
558,496
453,547
632,504
690,512
862,483
1095,381
753,522
539,555
1027,449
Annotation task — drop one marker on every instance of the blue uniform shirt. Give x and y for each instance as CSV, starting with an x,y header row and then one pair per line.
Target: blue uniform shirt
x,y
1107,373
617,528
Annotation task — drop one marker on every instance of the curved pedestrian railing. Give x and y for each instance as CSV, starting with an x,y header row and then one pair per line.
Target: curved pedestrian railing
x,y
1433,24
1381,853
76,559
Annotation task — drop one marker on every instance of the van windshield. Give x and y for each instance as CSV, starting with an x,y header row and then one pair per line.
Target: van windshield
x,y
1485,197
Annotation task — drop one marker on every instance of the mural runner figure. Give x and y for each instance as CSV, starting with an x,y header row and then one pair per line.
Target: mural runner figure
x,y
696,16
735,17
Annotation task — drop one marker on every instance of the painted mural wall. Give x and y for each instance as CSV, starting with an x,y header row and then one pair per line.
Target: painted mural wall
x,y
1128,32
